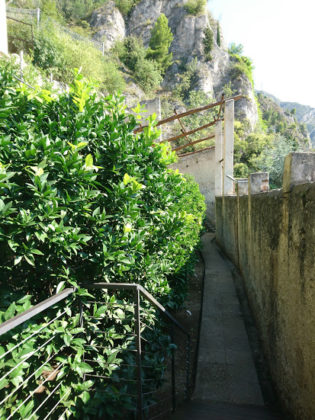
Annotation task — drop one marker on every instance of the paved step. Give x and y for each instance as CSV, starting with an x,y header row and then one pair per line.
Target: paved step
x,y
202,410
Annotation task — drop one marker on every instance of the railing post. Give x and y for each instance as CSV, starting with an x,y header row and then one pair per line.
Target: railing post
x,y
228,184
82,326
173,371
138,356
188,345
38,16
21,65
219,158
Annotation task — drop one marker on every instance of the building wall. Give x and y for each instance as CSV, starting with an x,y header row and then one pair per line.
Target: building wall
x,y
271,238
202,167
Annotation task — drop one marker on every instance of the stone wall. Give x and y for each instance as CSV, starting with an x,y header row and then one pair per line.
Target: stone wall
x,y
271,238
202,167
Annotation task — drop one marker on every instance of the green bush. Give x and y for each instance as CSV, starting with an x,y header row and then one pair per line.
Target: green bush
x,y
84,160
194,7
125,6
147,72
188,80
148,75
83,199
241,66
131,51
208,43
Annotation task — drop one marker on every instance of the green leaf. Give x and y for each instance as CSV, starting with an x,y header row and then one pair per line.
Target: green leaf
x,y
82,368
85,397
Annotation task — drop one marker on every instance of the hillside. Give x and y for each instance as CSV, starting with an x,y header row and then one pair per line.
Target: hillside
x,y
166,54
303,113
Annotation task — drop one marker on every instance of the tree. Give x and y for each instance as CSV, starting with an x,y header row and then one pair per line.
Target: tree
x,y
208,43
218,36
160,42
236,49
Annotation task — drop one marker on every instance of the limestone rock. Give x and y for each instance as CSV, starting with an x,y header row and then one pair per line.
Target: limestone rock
x,y
109,25
245,109
188,44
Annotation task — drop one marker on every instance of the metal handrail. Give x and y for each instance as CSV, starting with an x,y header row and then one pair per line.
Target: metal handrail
x,y
138,290
144,292
35,310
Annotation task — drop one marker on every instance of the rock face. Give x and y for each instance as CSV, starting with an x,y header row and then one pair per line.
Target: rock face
x,y
109,25
188,44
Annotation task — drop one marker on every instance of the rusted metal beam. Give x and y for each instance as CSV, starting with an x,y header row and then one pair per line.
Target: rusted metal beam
x,y
221,106
188,133
193,142
190,112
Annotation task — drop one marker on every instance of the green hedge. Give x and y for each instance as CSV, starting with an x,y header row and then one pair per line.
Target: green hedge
x,y
84,199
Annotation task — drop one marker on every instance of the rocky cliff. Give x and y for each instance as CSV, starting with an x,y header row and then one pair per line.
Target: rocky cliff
x,y
211,76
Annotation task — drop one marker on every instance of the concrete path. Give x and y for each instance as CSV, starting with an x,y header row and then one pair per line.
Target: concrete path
x,y
226,371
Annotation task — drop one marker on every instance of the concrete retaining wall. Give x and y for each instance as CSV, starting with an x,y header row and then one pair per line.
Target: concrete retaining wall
x,y
271,238
202,167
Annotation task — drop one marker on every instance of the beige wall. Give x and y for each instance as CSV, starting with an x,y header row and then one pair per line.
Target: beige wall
x,y
3,28
202,167
271,238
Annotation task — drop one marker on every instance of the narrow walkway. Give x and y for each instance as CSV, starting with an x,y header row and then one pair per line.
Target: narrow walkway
x,y
227,386
226,370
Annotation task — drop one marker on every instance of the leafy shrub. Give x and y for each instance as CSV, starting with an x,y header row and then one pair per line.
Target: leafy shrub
x,y
208,43
147,72
241,66
194,7
83,199
75,352
188,80
131,51
125,6
148,75
112,202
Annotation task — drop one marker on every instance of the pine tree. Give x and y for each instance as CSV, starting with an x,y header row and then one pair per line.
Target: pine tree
x,y
218,36
160,42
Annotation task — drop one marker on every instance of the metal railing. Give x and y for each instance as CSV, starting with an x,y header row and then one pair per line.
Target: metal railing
x,y
38,383
12,12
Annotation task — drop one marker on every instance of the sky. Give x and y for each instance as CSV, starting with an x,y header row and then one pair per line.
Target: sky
x,y
279,36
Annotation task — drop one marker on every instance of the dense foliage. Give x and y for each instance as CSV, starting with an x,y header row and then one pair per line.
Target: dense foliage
x,y
160,42
208,43
83,199
56,52
91,190
194,7
146,72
